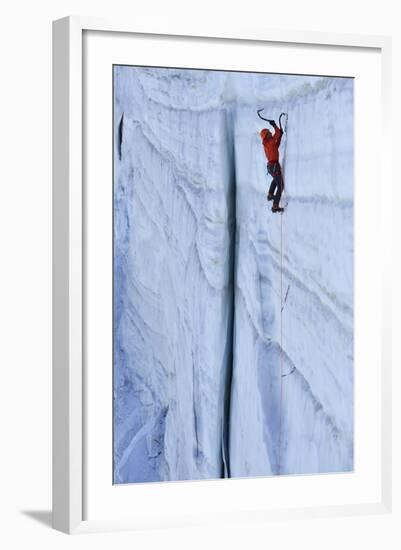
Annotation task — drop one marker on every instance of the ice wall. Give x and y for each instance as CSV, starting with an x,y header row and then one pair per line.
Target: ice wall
x,y
292,402
198,384
173,272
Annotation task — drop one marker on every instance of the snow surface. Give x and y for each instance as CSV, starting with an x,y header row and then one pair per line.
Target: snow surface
x,y
233,327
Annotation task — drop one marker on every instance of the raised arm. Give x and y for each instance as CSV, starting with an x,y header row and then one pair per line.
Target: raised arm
x,y
278,133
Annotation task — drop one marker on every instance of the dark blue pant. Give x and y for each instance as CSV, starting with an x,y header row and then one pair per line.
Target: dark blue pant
x,y
277,184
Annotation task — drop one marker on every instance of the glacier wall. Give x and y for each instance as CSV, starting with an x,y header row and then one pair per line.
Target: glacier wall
x,y
232,326
293,350
173,296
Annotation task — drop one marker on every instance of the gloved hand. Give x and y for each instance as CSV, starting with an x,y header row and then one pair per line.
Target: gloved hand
x,y
272,122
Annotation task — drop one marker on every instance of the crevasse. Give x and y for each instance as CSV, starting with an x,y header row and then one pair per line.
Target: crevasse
x,y
215,298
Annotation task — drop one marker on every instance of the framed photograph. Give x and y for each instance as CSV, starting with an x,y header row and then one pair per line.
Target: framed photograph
x,y
220,264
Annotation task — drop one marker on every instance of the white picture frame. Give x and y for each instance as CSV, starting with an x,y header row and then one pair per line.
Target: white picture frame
x,y
70,255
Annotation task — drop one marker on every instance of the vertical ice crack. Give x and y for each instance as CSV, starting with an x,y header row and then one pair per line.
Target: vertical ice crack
x,y
229,123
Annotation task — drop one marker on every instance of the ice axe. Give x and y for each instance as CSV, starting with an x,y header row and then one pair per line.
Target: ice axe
x,y
270,120
279,121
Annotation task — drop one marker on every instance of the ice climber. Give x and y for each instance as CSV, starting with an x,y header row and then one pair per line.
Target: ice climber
x,y
271,144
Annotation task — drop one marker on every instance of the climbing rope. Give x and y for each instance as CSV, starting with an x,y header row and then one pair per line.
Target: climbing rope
x,y
284,128
281,344
281,298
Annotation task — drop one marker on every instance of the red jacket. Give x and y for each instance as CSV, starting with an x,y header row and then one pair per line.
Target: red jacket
x,y
271,144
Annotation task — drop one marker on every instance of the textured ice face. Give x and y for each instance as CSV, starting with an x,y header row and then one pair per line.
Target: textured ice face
x,y
233,327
